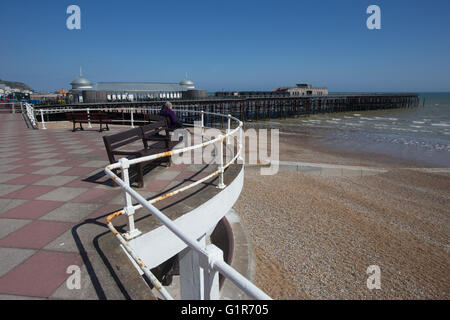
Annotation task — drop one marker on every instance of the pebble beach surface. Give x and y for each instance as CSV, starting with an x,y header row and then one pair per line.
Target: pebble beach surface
x,y
315,236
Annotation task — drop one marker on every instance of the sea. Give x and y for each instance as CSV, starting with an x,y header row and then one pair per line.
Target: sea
x,y
419,135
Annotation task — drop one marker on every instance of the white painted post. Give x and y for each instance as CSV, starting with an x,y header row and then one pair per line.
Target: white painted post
x,y
203,123
241,144
89,119
221,184
211,276
191,273
129,208
228,129
42,120
132,118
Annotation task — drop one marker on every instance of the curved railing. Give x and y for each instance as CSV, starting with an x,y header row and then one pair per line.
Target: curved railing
x,y
211,256
213,261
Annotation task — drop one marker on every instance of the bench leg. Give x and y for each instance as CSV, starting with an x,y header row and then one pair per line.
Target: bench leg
x,y
74,129
81,127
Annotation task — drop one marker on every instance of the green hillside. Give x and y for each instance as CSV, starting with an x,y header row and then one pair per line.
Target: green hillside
x,y
14,84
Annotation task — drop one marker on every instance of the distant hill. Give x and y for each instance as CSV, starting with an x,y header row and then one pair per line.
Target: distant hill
x,y
14,84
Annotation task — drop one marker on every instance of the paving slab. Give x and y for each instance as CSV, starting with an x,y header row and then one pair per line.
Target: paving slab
x,y
55,181
63,194
40,275
8,226
8,188
52,170
32,209
71,212
8,204
34,235
12,257
29,192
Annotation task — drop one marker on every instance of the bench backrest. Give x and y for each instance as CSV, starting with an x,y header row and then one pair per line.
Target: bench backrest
x,y
153,129
83,116
76,116
115,141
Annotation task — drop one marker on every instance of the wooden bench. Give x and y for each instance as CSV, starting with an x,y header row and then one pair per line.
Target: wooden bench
x,y
94,117
134,143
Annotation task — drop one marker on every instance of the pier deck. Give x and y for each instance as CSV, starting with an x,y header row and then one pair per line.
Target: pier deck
x,y
244,108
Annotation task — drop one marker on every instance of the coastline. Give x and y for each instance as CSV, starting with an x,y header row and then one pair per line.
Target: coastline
x,y
314,236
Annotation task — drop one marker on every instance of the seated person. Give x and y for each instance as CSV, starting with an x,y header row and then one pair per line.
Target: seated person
x,y
167,111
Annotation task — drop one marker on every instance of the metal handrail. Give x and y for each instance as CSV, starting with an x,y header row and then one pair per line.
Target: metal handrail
x,y
215,264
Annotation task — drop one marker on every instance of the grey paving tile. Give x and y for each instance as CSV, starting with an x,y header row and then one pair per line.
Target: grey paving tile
x,y
81,151
44,155
55,181
8,204
51,170
8,188
83,237
12,257
63,194
8,226
48,162
14,297
95,164
8,176
7,167
8,160
74,147
9,154
43,150
71,212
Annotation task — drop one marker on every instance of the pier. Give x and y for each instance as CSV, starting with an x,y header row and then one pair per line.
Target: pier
x,y
253,108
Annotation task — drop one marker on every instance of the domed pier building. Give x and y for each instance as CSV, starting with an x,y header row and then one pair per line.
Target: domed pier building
x,y
83,91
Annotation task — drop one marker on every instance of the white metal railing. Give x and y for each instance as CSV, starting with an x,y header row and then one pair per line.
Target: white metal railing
x,y
29,111
210,257
130,110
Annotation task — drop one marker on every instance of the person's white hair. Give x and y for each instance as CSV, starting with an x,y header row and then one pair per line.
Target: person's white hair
x,y
168,104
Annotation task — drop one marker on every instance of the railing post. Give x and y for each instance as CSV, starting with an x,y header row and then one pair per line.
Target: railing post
x,y
221,184
191,273
132,117
42,120
89,119
228,129
211,276
241,142
203,122
129,208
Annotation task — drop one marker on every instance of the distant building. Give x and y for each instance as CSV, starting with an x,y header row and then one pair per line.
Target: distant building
x,y
249,94
84,91
303,89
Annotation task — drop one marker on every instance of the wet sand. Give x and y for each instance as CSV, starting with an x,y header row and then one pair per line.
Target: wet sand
x,y
314,236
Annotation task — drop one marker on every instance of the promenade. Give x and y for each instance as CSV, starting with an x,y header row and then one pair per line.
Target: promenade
x,y
54,199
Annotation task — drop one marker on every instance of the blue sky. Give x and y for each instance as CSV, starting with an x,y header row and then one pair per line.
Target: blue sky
x,y
230,45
